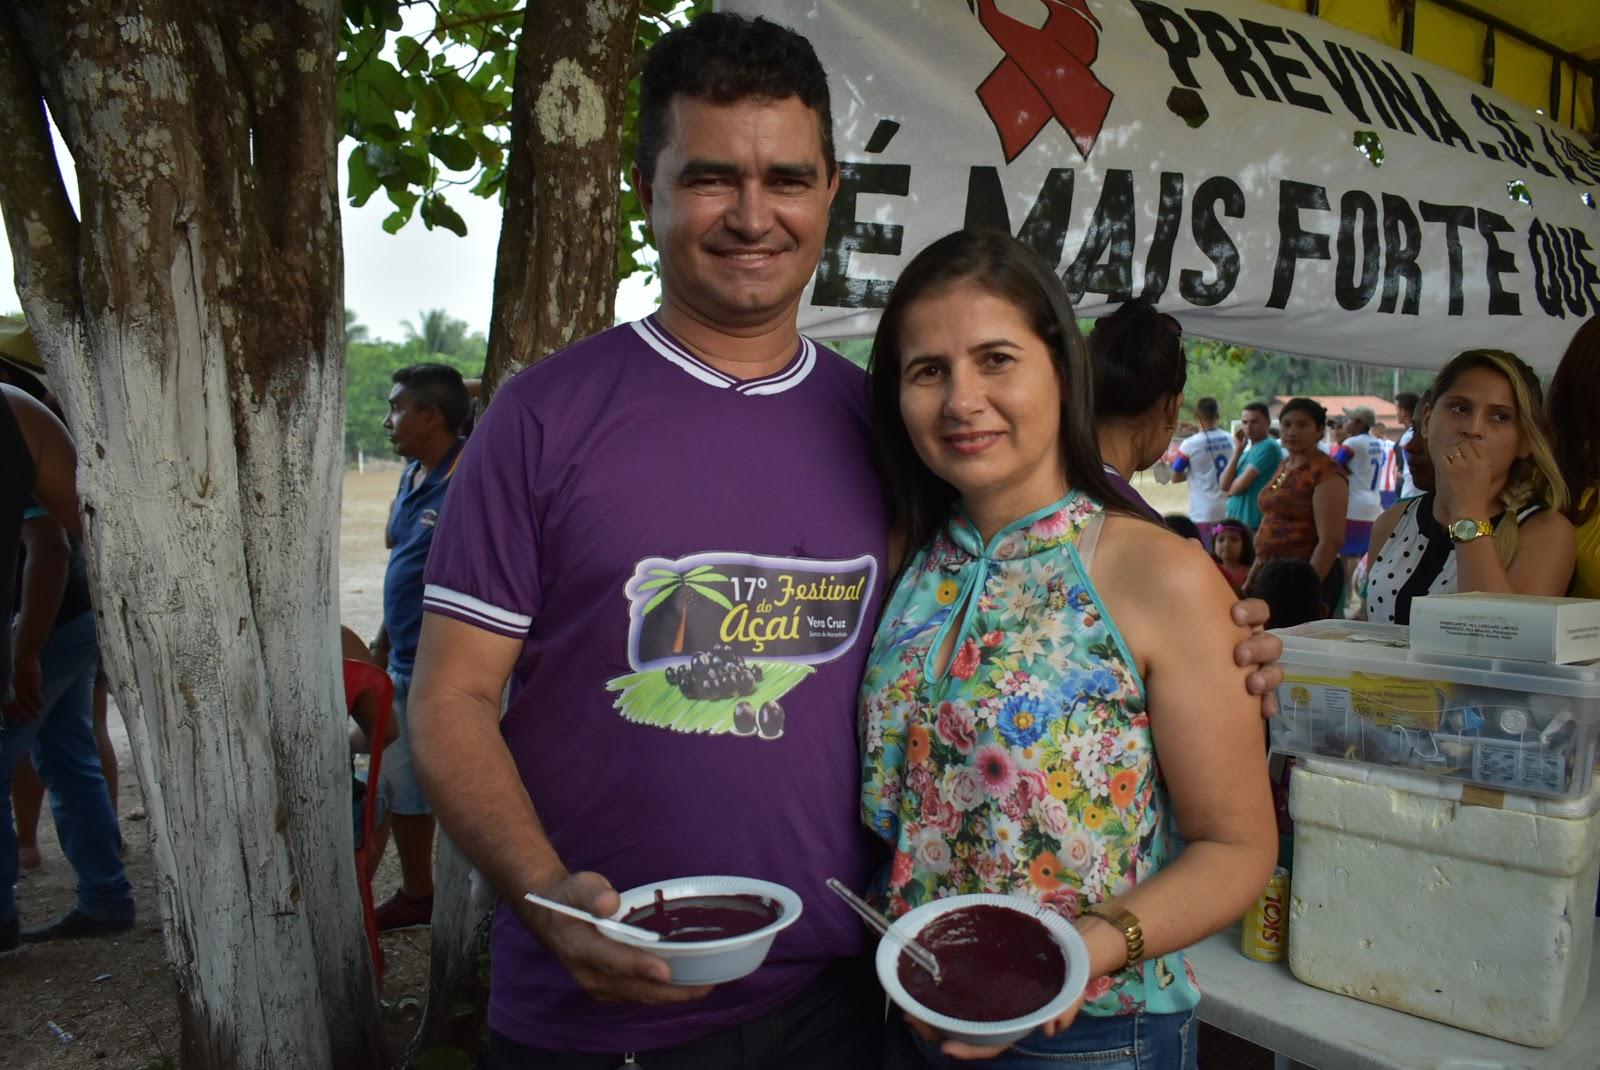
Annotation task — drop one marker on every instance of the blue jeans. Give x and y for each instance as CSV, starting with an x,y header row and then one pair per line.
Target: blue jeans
x,y
1123,1042
61,740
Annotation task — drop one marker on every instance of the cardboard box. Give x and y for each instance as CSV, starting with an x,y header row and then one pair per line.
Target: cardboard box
x,y
1555,631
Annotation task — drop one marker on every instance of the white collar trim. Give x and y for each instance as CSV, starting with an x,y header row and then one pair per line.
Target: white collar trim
x,y
785,379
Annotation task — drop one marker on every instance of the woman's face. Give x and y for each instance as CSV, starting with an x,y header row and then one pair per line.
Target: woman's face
x,y
979,394
1299,431
1479,406
1228,545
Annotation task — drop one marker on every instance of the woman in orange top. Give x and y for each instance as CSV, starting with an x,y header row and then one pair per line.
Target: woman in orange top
x,y
1303,508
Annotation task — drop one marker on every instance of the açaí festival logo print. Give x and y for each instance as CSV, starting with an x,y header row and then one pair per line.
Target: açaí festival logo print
x,y
1045,75
716,640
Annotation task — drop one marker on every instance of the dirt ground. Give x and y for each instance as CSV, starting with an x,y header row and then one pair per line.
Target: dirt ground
x,y
113,1004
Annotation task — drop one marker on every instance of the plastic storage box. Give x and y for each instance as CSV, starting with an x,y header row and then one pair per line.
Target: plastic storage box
x,y
1354,691
1474,916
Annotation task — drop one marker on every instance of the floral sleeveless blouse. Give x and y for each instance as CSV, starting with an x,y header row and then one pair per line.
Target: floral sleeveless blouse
x,y
1026,768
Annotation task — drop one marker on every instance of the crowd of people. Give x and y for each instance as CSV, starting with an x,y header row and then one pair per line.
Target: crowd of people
x,y
989,715
1493,490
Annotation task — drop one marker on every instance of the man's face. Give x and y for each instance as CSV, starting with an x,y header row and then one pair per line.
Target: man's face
x,y
1255,424
408,426
739,208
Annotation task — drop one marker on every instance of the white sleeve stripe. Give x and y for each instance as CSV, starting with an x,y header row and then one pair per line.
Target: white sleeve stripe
x,y
444,597
445,609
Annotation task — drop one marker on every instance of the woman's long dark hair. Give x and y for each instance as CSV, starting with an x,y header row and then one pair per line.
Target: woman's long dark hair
x,y
1138,360
994,261
1574,408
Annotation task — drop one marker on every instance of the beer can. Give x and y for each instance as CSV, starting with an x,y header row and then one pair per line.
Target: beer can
x,y
1266,926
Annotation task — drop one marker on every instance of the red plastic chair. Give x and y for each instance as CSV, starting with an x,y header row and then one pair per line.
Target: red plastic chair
x,y
362,677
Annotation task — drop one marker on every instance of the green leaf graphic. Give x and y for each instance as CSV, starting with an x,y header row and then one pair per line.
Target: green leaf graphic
x,y
712,593
646,698
658,599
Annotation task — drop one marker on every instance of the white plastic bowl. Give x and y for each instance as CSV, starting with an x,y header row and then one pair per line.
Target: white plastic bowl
x,y
712,962
986,1034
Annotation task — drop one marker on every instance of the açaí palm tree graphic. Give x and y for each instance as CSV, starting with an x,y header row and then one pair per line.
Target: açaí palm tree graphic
x,y
668,583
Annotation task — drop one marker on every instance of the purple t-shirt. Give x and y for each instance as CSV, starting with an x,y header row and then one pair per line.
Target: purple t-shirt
x,y
621,508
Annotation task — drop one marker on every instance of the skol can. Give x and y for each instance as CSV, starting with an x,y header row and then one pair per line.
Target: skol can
x,y
1266,927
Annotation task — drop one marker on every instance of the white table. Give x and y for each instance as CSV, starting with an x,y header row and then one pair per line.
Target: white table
x,y
1263,1003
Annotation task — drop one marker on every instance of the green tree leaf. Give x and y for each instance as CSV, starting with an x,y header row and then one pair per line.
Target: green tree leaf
x,y
454,152
436,212
363,181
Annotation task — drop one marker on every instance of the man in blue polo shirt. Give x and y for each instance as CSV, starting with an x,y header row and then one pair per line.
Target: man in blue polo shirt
x,y
427,407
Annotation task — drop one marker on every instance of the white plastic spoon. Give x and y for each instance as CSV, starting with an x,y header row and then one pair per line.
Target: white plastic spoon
x,y
606,925
878,923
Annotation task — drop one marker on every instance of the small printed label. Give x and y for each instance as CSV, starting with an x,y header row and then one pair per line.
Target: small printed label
x,y
1496,629
1518,765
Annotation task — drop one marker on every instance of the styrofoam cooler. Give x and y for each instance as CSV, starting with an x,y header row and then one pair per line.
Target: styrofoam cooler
x,y
1476,916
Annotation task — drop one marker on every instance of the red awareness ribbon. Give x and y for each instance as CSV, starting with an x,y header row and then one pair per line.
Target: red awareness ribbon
x,y
1045,74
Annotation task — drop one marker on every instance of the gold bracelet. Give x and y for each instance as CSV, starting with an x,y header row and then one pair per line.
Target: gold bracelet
x,y
1125,921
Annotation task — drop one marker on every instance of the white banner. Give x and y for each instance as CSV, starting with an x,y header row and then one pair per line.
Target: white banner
x,y
1223,158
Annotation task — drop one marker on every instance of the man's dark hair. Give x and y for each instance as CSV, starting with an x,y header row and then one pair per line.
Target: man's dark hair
x,y
1207,408
1138,360
1292,591
1259,406
1404,402
438,385
725,58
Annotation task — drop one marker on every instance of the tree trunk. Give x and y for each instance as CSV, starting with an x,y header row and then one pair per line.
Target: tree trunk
x,y
555,275
555,282
193,327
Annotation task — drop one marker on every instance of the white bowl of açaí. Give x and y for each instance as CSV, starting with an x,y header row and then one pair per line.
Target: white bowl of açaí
x,y
993,968
696,960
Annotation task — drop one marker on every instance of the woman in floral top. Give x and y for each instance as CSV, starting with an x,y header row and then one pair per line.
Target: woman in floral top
x,y
1028,668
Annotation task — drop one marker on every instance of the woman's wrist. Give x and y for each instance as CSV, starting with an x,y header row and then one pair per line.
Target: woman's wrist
x,y
1108,946
1477,511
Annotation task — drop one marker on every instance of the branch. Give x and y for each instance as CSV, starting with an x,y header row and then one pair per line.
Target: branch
x,y
443,26
33,197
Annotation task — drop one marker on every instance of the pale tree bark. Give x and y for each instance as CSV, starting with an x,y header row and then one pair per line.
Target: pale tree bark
x,y
193,326
555,282
555,275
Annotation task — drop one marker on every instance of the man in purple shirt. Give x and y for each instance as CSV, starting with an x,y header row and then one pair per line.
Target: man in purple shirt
x,y
671,539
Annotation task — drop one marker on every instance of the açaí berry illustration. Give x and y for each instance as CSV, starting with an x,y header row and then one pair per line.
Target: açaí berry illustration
x,y
718,673
769,720
744,719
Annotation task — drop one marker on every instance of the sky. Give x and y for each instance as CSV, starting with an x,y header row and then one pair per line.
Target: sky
x,y
391,278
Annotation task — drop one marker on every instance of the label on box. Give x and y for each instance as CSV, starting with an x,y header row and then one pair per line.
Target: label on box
x,y
1519,765
1394,702
1313,696
1386,701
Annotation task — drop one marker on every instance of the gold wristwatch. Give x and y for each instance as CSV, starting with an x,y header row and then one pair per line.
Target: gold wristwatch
x,y
1127,922
1466,529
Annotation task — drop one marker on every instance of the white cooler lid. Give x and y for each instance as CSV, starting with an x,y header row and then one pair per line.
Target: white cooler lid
x,y
1452,789
1345,646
